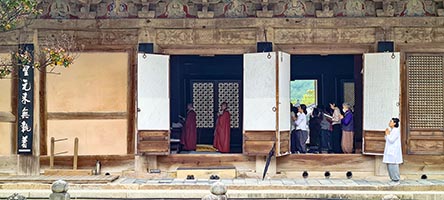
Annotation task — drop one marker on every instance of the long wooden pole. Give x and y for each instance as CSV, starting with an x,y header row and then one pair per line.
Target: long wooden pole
x,y
51,156
76,153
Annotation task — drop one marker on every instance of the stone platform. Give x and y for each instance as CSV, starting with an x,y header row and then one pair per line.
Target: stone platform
x,y
129,188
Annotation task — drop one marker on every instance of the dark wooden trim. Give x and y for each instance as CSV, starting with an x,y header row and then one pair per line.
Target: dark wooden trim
x,y
131,99
89,161
277,77
86,115
404,104
43,114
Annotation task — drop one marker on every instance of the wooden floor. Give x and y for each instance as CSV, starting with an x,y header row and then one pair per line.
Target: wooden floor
x,y
50,179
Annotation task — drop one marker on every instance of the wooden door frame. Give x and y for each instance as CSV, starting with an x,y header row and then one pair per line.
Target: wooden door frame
x,y
405,50
329,49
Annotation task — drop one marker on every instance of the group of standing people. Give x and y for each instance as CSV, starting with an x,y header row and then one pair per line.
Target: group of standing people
x,y
221,141
331,131
328,130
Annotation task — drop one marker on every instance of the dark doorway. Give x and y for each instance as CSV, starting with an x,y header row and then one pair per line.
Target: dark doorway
x,y
339,80
207,81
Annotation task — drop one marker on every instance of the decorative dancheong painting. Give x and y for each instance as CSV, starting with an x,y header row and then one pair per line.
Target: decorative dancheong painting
x,y
104,9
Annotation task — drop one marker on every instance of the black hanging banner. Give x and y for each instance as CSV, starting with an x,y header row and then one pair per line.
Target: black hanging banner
x,y
25,99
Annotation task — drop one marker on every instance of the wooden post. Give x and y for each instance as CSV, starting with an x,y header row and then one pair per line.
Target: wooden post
x,y
76,153
51,157
152,162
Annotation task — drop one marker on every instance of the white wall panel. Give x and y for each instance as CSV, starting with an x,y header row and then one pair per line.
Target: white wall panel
x,y
153,92
381,89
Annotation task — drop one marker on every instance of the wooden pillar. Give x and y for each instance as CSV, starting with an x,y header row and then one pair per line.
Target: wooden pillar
x,y
144,163
380,167
260,166
140,164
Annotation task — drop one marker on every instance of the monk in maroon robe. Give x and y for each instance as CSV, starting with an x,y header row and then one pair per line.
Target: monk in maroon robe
x,y
189,133
222,133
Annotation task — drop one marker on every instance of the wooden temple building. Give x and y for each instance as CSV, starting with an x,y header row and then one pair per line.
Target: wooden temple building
x,y
142,61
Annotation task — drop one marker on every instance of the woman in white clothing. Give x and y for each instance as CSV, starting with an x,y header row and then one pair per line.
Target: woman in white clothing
x,y
393,151
301,134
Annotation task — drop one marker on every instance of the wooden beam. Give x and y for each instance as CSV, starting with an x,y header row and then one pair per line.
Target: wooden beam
x,y
205,159
326,162
86,115
89,161
7,117
131,99
206,49
326,48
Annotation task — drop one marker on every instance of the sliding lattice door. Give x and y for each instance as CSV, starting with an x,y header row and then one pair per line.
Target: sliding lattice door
x,y
425,104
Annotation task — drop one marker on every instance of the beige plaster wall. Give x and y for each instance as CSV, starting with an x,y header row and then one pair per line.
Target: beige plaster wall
x,y
96,82
6,128
96,137
5,138
5,88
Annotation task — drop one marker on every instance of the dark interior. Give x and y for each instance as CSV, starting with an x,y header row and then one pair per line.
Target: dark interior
x,y
331,72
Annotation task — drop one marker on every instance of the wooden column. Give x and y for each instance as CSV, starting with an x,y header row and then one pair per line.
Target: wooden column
x,y
131,96
144,163
43,113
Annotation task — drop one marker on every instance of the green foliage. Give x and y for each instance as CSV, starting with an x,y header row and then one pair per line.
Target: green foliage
x,y
13,11
309,97
303,91
57,53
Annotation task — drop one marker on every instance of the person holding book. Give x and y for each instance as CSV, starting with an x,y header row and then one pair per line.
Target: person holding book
x,y
336,135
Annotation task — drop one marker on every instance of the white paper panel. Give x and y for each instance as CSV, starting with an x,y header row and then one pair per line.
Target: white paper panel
x,y
284,91
262,119
259,91
381,89
153,92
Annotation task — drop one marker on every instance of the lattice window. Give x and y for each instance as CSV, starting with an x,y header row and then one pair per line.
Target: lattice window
x,y
349,93
425,91
229,92
203,100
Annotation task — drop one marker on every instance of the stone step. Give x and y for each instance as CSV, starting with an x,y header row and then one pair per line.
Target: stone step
x,y
225,172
